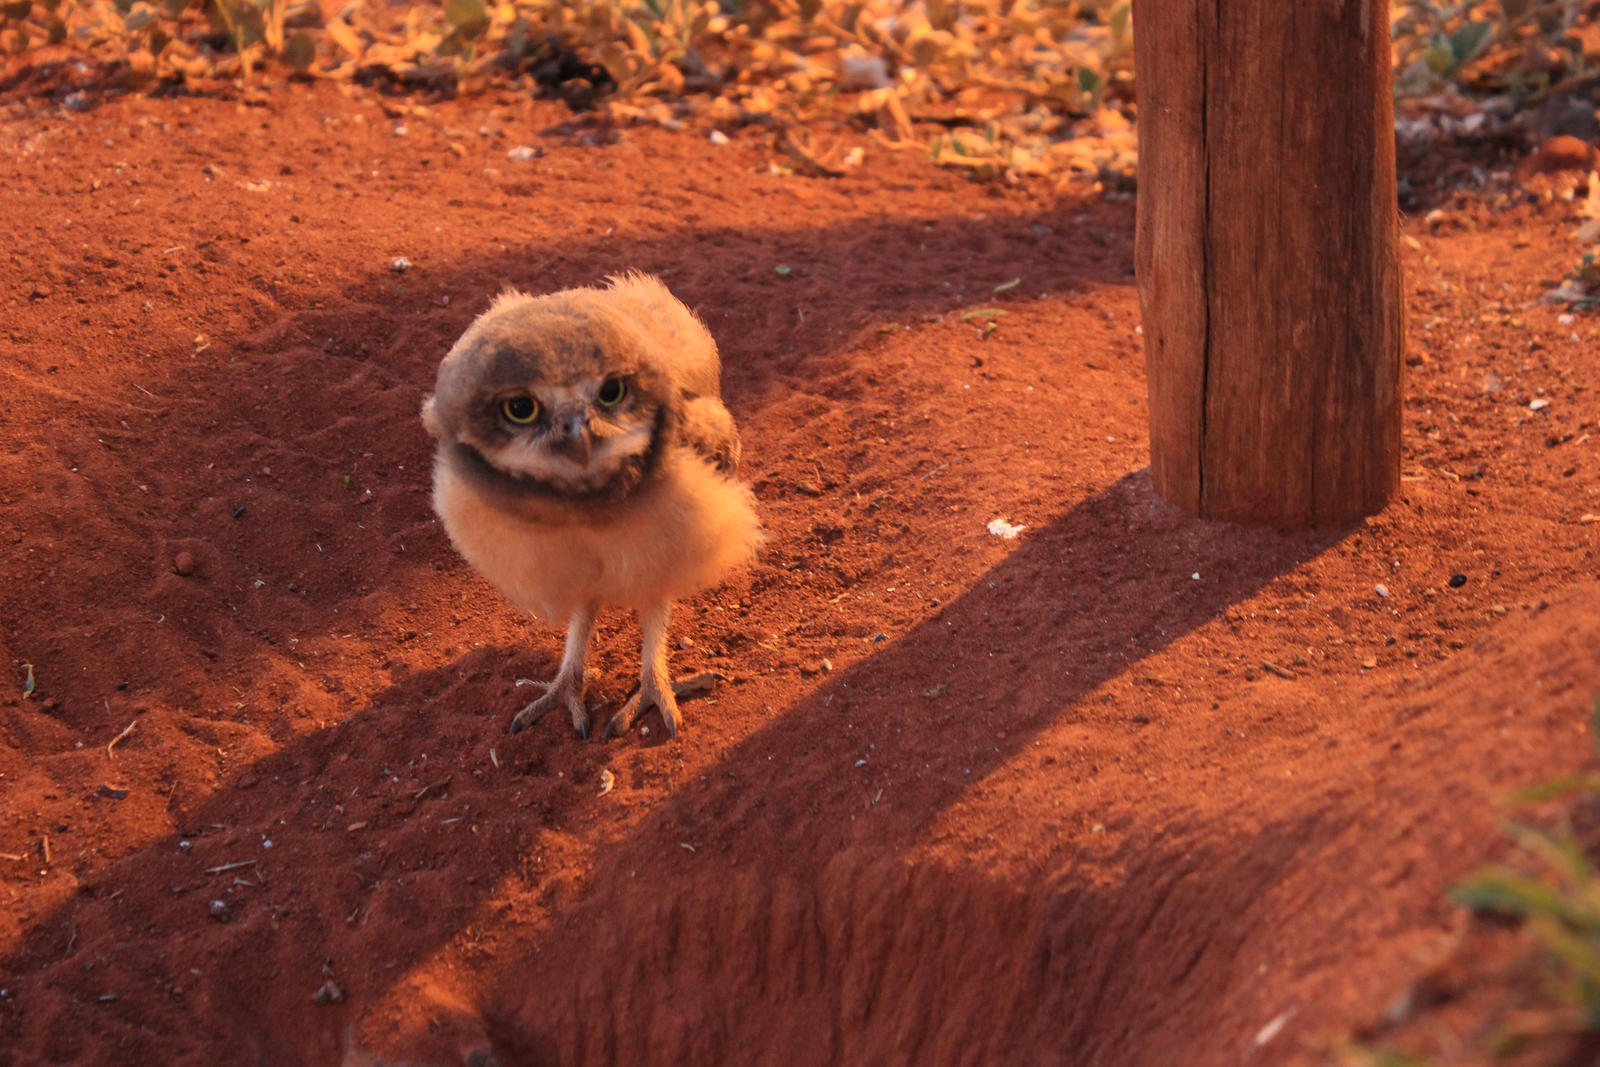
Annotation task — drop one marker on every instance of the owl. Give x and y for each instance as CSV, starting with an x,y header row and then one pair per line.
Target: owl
x,y
585,460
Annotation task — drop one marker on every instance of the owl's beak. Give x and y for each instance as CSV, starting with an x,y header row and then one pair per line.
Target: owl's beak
x,y
573,439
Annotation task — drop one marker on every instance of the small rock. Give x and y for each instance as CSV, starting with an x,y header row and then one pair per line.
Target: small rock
x,y
1539,404
859,70
110,791
1560,153
400,265
183,562
1000,528
522,153
219,910
328,993
1381,590
1457,581
717,137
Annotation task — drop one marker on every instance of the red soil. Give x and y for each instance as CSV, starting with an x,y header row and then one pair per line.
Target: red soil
x,y
962,800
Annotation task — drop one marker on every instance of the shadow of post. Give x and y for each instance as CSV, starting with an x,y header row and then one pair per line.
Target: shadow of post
x,y
804,927
790,829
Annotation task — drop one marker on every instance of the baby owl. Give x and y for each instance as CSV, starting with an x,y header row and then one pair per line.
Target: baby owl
x,y
585,460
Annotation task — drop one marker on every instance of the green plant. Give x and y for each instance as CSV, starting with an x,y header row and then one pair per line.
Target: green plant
x,y
1444,43
1561,910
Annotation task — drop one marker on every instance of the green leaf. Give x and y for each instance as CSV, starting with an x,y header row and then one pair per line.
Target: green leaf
x,y
1120,20
782,270
1564,854
1004,286
1440,58
981,313
140,18
1576,951
1471,39
1088,80
1557,787
300,51
1513,894
467,17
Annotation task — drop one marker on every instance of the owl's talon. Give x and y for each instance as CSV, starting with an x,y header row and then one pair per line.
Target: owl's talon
x,y
637,705
557,693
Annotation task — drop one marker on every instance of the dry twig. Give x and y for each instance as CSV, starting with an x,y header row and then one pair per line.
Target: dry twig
x,y
125,732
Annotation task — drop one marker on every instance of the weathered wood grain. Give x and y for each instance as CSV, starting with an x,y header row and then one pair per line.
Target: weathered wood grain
x,y
1267,256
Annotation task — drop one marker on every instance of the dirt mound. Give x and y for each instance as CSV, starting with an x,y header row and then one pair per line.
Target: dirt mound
x,y
1125,788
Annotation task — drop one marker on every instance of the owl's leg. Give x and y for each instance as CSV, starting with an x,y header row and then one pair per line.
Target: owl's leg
x,y
655,687
567,687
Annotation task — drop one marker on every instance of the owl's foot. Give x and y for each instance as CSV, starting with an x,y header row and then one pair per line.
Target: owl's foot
x,y
639,703
564,691
648,696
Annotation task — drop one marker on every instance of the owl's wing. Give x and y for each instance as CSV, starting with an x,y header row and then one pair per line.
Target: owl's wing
x,y
707,427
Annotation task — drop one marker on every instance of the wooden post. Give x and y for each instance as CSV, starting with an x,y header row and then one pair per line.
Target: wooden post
x,y
1269,277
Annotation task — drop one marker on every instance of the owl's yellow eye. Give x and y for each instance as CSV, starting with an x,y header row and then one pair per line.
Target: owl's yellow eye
x,y
519,409
612,391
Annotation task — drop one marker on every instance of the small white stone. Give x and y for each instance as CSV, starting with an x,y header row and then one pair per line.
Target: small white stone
x,y
1539,404
1003,529
1381,590
717,137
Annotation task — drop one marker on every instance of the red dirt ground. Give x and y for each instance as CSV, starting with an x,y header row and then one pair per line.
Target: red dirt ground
x,y
962,800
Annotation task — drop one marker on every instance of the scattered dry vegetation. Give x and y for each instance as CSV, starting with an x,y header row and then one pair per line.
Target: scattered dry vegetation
x,y
997,88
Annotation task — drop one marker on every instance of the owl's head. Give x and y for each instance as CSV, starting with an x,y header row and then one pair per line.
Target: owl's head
x,y
557,396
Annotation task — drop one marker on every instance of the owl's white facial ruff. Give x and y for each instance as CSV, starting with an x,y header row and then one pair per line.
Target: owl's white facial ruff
x,y
609,453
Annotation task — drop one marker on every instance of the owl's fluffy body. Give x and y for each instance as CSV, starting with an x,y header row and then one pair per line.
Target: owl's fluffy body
x,y
681,533
588,503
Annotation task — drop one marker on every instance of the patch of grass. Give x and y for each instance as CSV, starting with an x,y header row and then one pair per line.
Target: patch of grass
x,y
1519,47
1560,906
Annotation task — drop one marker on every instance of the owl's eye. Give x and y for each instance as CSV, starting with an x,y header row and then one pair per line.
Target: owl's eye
x,y
519,409
611,393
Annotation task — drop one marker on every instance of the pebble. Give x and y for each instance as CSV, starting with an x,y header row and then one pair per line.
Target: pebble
x,y
1457,581
183,562
1381,590
1560,153
328,993
1539,404
717,137
219,910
